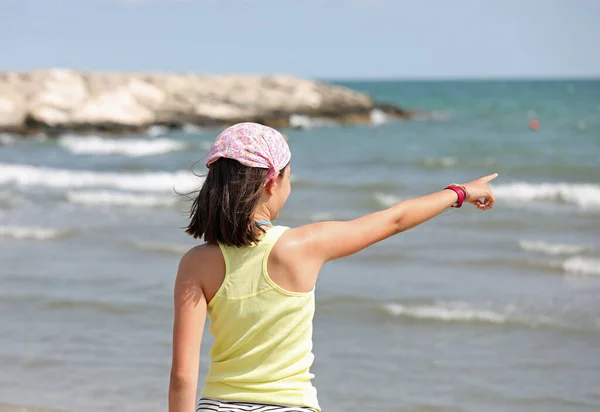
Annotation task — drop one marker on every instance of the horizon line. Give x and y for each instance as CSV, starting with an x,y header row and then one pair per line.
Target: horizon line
x,y
457,78
341,78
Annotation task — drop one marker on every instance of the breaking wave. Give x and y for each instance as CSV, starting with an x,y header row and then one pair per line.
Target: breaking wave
x,y
95,145
114,198
31,233
582,195
26,175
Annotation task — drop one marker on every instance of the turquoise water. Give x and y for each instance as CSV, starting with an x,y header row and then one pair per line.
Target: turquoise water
x,y
472,311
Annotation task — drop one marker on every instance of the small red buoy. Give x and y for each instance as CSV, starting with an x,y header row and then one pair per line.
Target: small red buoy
x,y
534,125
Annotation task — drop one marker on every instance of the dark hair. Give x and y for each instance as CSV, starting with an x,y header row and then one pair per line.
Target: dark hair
x,y
224,209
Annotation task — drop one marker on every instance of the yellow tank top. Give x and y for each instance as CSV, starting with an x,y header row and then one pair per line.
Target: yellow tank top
x,y
262,349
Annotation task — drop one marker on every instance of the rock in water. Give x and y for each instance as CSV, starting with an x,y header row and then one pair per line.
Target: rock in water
x,y
56,100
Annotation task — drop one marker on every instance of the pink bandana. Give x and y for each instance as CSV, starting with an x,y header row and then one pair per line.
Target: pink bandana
x,y
252,145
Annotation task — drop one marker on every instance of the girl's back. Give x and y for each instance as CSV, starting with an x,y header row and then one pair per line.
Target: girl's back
x,y
262,350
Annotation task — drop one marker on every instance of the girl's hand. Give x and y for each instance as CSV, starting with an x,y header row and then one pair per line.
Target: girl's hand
x,y
479,193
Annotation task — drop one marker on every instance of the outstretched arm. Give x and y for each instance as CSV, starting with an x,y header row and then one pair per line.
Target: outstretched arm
x,y
326,241
188,326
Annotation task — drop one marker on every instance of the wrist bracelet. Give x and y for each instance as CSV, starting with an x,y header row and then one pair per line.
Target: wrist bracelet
x,y
464,189
460,191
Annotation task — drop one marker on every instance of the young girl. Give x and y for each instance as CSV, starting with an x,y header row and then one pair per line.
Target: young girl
x,y
255,280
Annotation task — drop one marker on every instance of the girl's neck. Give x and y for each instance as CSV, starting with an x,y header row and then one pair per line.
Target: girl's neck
x,y
264,223
262,216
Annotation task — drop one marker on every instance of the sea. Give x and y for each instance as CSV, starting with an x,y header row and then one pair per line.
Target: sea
x,y
472,311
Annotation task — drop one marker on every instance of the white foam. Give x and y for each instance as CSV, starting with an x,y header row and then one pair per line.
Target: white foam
x,y
321,216
114,198
157,130
583,195
95,145
25,175
191,129
170,248
30,233
386,200
552,248
299,121
582,266
6,139
378,116
41,138
446,161
448,312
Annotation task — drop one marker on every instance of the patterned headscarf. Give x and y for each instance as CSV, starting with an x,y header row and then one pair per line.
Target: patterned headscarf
x,y
252,145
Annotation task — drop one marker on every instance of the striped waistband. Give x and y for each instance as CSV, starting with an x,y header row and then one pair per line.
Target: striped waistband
x,y
215,405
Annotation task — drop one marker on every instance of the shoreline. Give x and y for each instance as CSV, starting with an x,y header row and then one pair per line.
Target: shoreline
x,y
59,101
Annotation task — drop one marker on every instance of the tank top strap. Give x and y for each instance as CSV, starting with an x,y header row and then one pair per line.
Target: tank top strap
x,y
244,276
272,235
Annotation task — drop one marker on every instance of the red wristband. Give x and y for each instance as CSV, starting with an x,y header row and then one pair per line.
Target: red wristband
x,y
462,194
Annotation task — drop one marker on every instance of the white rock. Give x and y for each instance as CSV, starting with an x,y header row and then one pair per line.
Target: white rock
x,y
12,110
62,90
146,94
223,111
50,115
59,91
60,97
117,107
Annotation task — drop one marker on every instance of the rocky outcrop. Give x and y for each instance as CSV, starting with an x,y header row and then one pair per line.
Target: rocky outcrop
x,y
56,100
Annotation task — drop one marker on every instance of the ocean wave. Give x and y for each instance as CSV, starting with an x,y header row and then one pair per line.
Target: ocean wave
x,y
6,139
378,116
509,315
71,304
25,175
445,161
321,216
552,248
114,198
113,307
4,407
95,145
435,115
36,363
178,249
157,130
386,199
9,200
446,312
300,121
552,265
583,195
462,312
31,233
575,265
582,266
192,129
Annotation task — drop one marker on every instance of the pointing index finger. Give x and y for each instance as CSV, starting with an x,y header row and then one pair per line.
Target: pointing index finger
x,y
489,178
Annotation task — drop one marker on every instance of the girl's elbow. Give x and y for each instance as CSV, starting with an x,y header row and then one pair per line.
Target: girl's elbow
x,y
399,222
181,380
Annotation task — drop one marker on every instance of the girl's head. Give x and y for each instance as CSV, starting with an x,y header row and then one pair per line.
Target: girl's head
x,y
248,180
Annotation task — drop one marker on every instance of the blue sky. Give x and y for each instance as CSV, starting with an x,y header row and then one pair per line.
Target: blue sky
x,y
312,38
